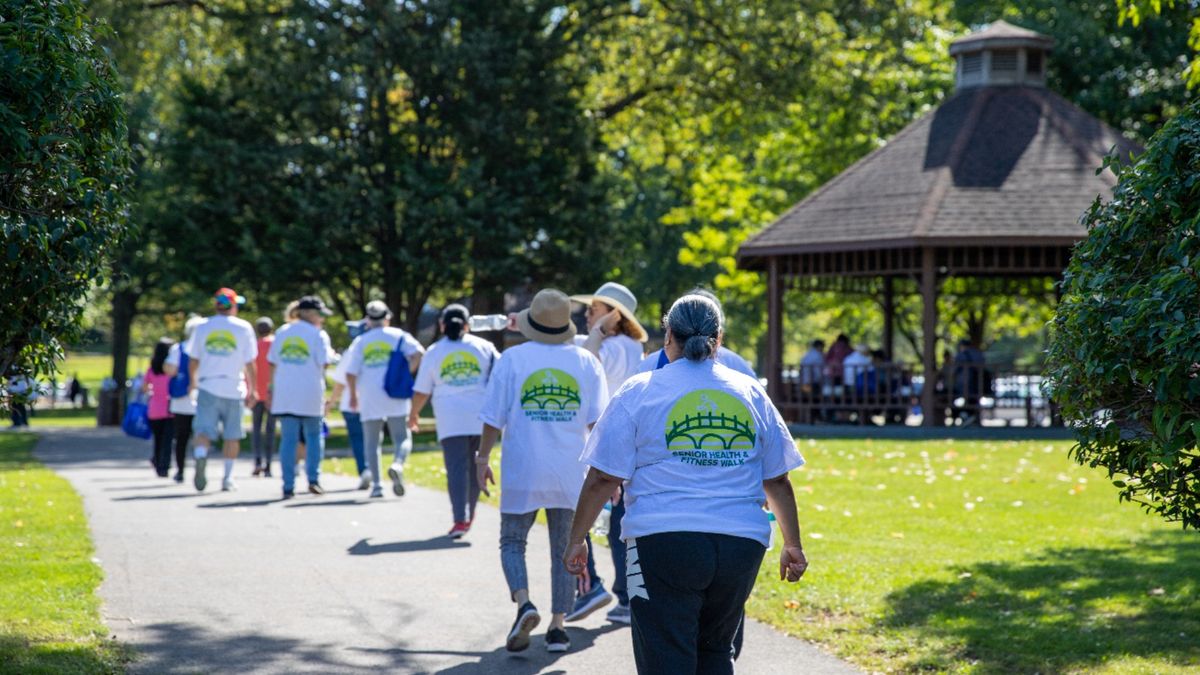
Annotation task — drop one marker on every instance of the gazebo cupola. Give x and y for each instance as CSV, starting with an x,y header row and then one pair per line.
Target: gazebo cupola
x,y
989,186
1001,54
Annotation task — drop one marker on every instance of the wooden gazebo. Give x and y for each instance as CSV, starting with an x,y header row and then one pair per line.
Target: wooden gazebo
x,y
990,185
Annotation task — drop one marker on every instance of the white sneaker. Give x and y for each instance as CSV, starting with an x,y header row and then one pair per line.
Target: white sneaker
x,y
228,485
396,473
364,479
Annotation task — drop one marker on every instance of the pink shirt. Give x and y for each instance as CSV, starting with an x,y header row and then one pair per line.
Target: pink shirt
x,y
262,368
160,395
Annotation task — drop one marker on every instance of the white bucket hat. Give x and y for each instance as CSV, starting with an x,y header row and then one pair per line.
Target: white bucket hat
x,y
548,319
621,299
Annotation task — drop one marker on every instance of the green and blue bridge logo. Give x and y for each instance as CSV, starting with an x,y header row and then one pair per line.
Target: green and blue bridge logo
x,y
708,427
220,343
550,395
377,354
294,350
461,369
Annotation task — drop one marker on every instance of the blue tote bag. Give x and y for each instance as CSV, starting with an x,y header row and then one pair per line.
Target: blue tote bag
x,y
137,420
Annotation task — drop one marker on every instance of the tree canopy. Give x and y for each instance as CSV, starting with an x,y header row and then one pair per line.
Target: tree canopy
x,y
63,166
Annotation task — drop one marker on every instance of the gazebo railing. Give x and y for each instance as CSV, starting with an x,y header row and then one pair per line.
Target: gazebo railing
x,y
889,393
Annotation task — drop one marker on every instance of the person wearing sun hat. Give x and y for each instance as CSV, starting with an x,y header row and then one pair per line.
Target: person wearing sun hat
x,y
545,394
220,351
616,338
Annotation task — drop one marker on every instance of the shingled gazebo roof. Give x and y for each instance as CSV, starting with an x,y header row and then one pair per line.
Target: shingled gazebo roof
x,y
992,164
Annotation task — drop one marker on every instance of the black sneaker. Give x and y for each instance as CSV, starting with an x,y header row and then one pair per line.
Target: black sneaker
x,y
316,488
527,619
557,640
288,494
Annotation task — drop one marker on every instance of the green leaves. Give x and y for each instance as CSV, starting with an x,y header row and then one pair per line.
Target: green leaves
x,y
62,175
1124,363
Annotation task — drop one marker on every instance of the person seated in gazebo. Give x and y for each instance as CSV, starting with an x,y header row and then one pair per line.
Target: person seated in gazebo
x,y
812,367
968,381
837,353
856,367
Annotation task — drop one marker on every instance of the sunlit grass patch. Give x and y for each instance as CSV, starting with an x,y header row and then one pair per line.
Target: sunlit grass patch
x,y
983,557
49,611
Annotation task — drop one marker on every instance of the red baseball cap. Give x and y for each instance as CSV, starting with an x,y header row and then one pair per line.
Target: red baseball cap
x,y
227,297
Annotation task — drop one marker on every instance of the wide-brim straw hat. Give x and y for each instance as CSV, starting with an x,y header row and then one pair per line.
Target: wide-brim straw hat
x,y
621,299
548,318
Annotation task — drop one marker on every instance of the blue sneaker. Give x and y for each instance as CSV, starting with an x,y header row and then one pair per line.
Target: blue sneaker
x,y
586,604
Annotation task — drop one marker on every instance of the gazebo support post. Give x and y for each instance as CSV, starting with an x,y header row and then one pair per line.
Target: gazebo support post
x,y
929,322
774,362
889,318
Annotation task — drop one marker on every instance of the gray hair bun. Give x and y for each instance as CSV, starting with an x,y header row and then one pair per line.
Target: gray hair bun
x,y
695,321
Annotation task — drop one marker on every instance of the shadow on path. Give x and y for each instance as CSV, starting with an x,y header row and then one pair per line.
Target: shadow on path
x,y
1064,610
500,661
124,488
142,498
364,547
242,503
179,647
322,502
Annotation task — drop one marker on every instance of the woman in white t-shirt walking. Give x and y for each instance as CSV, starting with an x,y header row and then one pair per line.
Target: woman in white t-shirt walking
x,y
697,446
545,394
616,338
368,356
455,371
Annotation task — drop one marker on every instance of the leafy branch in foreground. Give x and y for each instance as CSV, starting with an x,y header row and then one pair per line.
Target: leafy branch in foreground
x,y
1124,362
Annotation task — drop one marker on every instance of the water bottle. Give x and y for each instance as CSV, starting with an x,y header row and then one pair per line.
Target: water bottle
x,y
771,522
600,527
488,322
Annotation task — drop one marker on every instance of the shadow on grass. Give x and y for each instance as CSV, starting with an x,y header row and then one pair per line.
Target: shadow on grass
x,y
18,655
1064,609
365,547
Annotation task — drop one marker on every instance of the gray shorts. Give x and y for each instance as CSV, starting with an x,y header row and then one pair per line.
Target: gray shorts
x,y
218,417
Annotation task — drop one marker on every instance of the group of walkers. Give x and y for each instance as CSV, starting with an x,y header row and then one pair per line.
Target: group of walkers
x,y
683,444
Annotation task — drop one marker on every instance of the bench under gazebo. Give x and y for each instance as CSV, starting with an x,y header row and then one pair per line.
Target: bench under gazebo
x,y
988,187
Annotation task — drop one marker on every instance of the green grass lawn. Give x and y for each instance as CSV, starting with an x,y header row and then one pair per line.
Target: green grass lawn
x,y
49,611
972,557
983,557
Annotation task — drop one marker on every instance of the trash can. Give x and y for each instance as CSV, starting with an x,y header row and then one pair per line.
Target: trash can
x,y
109,408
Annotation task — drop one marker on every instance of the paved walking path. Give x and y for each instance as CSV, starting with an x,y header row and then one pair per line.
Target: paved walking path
x,y
242,582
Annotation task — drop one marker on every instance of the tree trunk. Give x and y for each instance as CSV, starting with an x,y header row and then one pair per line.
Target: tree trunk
x,y
124,309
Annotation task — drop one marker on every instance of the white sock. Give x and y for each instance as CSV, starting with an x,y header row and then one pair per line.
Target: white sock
x,y
228,468
200,452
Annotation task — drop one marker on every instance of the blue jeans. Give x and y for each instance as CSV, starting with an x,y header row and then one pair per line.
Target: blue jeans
x,y
514,531
289,436
354,431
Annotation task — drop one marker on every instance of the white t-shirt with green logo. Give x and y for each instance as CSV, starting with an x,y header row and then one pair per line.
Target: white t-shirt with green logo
x,y
299,353
368,359
222,345
456,373
543,397
694,443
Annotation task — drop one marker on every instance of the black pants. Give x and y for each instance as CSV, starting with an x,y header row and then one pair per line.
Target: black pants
x,y
183,433
163,431
686,593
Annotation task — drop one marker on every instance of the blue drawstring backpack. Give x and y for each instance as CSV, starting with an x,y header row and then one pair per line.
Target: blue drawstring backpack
x,y
398,380
178,386
137,420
